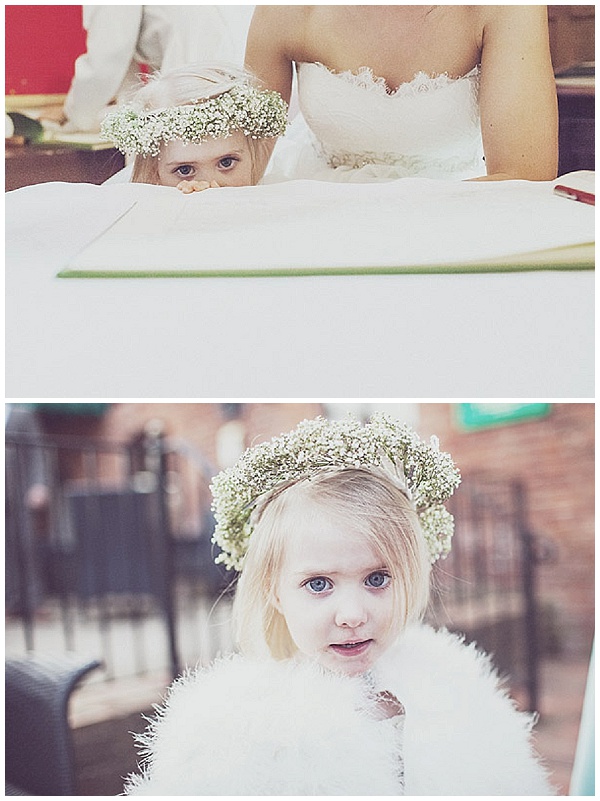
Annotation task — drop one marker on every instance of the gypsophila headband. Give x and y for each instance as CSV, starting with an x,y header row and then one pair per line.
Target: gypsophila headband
x,y
427,475
260,114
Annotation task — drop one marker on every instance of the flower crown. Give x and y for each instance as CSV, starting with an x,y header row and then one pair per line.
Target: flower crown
x,y
427,475
261,114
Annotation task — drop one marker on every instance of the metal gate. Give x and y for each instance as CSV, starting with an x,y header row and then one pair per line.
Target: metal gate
x,y
110,556
485,589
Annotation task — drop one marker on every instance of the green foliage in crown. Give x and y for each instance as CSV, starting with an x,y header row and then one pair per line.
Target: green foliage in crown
x,y
260,114
428,475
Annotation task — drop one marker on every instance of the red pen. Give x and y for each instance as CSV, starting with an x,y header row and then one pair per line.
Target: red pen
x,y
575,194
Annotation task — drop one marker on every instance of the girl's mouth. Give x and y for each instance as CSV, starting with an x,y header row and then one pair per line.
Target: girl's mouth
x,y
351,648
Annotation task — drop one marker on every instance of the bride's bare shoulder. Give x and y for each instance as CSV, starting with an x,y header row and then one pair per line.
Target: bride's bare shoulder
x,y
510,15
281,26
282,19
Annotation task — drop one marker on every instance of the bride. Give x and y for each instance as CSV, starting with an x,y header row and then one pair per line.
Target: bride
x,y
463,92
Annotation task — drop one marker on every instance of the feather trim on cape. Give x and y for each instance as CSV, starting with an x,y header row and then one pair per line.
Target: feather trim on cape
x,y
246,727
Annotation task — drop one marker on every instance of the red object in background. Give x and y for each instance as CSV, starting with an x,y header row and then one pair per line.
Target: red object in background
x,y
42,43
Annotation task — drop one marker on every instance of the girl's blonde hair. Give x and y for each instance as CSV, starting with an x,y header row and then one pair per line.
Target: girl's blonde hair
x,y
360,499
186,86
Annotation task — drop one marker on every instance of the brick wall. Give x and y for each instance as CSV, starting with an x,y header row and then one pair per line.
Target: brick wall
x,y
554,457
197,423
195,426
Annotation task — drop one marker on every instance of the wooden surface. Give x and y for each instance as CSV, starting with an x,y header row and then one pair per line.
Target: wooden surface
x,y
28,164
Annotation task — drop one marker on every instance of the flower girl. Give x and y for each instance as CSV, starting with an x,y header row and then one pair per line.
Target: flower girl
x,y
198,127
338,689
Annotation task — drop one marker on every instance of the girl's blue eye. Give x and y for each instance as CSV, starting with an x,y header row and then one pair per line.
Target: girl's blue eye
x,y
318,585
227,162
185,169
378,579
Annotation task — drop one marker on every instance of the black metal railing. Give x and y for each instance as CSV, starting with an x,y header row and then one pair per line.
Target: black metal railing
x,y
485,589
106,549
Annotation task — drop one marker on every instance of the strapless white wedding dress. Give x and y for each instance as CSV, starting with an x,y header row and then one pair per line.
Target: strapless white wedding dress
x,y
352,128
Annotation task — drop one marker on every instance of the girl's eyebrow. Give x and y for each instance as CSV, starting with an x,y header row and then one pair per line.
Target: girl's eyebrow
x,y
229,153
212,158
315,572
320,572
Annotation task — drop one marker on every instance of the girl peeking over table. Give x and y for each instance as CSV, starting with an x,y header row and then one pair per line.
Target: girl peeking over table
x,y
198,127
338,688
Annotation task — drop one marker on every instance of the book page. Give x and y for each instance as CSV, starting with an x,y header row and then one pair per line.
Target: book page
x,y
412,224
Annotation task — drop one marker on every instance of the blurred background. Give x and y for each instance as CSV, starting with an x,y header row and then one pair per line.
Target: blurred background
x,y
56,95
109,554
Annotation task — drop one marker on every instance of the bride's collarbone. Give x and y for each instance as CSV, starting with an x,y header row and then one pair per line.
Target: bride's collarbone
x,y
395,65
393,53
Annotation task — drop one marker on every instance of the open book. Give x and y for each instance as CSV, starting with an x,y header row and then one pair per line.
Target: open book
x,y
312,227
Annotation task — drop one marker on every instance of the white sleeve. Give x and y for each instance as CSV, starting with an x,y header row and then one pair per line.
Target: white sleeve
x,y
458,710
202,34
112,34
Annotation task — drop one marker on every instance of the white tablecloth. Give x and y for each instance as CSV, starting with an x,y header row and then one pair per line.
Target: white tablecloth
x,y
524,334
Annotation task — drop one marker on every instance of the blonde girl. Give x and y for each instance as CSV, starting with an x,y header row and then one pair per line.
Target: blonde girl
x,y
198,127
339,689
372,511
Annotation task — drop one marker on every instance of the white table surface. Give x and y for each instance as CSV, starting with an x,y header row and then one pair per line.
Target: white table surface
x,y
524,334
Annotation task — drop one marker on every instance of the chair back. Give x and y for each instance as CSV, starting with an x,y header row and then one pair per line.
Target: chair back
x,y
39,755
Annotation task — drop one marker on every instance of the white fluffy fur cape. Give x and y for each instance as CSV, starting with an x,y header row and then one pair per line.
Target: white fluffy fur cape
x,y
247,727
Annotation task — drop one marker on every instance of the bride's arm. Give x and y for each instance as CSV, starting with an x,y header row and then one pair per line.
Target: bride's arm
x,y
268,54
519,118
268,47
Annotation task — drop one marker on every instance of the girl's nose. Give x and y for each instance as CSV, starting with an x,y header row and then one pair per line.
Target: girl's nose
x,y
350,613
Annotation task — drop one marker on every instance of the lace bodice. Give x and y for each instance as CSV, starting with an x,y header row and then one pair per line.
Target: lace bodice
x,y
428,127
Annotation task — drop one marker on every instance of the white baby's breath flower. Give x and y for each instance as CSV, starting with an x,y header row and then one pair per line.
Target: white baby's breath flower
x,y
428,475
260,114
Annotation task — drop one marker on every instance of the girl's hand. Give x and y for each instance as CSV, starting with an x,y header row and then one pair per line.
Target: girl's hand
x,y
387,706
187,187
